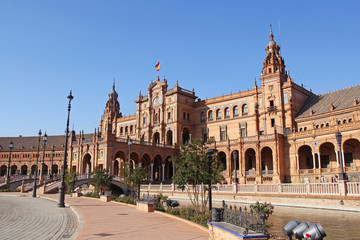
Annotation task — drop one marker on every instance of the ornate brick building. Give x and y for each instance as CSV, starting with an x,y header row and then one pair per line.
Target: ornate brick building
x,y
279,130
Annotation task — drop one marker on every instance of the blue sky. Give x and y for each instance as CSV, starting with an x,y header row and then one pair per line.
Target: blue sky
x,y
215,47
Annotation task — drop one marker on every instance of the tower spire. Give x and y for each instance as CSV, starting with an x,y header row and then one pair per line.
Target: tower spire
x,y
114,84
271,33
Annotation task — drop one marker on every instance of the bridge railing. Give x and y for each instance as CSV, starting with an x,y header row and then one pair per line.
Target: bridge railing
x,y
332,189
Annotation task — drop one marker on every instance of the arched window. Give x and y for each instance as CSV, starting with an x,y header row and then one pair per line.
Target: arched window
x,y
218,114
344,121
317,126
322,125
156,118
245,110
339,122
126,130
300,129
305,128
227,112
121,131
202,117
210,115
131,129
236,111
350,120
327,124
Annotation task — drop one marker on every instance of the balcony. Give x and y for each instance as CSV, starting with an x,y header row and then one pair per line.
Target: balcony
x,y
272,109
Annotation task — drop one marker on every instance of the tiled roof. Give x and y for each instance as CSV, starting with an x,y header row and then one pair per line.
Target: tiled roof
x,y
321,104
30,142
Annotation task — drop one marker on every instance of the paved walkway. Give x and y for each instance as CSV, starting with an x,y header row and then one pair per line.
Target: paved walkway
x,y
110,220
34,218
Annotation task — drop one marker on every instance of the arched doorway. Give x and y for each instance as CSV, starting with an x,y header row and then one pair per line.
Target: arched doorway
x,y
24,170
156,138
185,136
234,164
86,168
3,170
33,168
145,162
267,161
169,138
116,168
157,168
56,169
222,158
13,170
351,150
120,159
168,169
327,156
250,162
46,169
305,157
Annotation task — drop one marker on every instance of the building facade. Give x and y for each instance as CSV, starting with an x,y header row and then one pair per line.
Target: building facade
x,y
275,132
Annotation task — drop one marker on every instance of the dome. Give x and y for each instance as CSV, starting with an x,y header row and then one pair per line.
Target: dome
x,y
271,44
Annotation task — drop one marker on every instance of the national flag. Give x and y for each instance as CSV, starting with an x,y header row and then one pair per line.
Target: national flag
x,y
157,66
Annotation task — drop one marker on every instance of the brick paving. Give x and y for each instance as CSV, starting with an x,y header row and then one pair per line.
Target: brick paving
x,y
107,220
24,217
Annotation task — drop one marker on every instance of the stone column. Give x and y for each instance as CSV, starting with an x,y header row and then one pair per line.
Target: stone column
x,y
297,162
152,172
314,162
163,172
337,158
319,160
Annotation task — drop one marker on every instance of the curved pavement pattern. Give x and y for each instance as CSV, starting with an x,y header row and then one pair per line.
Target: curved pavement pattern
x,y
23,217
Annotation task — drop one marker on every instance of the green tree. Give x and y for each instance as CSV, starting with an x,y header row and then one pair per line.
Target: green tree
x,y
132,177
70,180
102,179
192,173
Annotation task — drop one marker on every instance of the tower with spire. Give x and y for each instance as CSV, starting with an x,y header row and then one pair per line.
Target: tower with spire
x,y
112,112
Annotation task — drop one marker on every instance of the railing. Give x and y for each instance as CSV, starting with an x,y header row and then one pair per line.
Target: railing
x,y
327,189
353,188
333,189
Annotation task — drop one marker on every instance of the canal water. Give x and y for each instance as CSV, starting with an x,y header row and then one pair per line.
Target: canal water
x,y
338,225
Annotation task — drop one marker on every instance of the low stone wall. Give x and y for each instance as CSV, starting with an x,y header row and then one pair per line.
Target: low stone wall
x,y
105,198
226,231
146,206
343,203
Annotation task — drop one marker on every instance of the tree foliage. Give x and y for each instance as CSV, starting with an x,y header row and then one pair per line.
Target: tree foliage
x,y
132,177
102,179
192,172
70,180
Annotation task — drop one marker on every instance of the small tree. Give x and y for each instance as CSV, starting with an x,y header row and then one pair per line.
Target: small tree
x,y
193,169
102,179
70,180
133,177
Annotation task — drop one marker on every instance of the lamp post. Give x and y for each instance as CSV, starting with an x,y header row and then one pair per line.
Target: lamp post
x,y
339,140
129,143
235,156
37,162
62,184
8,170
52,165
43,159
209,153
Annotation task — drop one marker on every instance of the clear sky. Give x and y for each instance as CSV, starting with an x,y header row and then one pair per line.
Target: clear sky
x,y
215,47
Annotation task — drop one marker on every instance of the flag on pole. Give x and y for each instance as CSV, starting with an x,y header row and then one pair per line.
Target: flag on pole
x,y
157,66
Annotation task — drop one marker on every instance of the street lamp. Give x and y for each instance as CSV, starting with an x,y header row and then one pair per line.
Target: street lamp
x,y
62,185
8,170
129,143
339,140
235,156
45,138
37,162
209,153
52,165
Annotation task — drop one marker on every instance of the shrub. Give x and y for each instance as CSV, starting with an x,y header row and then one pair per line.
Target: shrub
x,y
125,199
92,195
190,214
9,190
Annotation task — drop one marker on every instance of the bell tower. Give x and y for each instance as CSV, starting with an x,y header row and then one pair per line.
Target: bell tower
x,y
273,79
111,113
273,66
